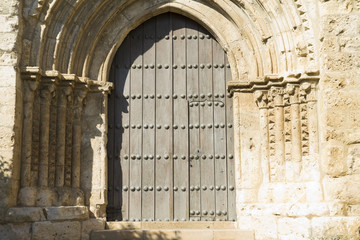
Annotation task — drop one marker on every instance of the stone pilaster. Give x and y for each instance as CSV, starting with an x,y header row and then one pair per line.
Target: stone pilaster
x,y
287,124
27,195
46,94
80,92
262,103
64,97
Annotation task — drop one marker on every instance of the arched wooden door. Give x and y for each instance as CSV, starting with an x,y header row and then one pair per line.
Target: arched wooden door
x,y
170,135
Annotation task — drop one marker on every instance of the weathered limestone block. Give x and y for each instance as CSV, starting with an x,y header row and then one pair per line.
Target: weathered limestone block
x,y
284,209
314,192
340,25
353,159
341,61
45,197
246,195
25,214
27,196
56,230
66,213
264,227
68,197
18,231
349,44
353,210
294,228
337,209
345,189
337,6
91,225
335,228
333,160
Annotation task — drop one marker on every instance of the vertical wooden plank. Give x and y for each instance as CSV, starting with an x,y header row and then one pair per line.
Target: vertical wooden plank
x,y
206,124
164,171
180,123
219,81
230,150
110,151
192,59
136,124
121,168
148,197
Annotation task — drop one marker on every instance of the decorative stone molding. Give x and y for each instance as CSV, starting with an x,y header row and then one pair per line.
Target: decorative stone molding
x,y
287,112
51,150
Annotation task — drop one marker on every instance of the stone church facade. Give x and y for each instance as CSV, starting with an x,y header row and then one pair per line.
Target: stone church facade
x,y
294,66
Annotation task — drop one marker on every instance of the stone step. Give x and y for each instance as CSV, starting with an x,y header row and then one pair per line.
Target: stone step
x,y
170,225
172,234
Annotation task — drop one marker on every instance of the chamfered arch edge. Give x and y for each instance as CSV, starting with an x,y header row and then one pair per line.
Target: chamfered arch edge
x,y
157,10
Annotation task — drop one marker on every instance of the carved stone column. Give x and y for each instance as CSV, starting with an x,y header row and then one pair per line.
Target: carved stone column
x,y
304,89
262,102
29,88
46,94
27,194
293,91
296,155
80,92
65,95
277,164
313,120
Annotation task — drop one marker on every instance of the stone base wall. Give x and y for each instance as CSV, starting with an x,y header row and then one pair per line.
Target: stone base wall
x,y
316,221
49,223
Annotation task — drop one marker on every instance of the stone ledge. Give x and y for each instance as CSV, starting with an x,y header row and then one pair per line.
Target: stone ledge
x,y
25,214
184,234
170,225
38,214
67,213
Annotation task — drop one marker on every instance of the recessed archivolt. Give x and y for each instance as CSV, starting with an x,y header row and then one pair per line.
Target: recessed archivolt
x,y
260,37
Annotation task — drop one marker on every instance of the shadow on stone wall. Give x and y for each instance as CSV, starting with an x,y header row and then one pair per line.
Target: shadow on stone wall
x,y
5,170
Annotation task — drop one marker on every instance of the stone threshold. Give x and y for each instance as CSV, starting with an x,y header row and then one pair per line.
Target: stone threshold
x,y
178,234
170,225
172,231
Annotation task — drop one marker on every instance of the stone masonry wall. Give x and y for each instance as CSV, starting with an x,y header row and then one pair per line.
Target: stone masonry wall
x,y
10,103
296,68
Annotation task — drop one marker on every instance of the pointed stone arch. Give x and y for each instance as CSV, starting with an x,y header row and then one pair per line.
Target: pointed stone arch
x,y
267,43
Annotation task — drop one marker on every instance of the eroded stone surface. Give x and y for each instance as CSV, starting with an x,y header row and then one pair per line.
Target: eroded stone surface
x,y
91,225
22,214
283,185
66,213
56,230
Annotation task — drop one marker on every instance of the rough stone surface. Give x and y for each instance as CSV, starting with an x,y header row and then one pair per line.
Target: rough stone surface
x,y
56,230
336,228
295,67
66,213
91,225
20,231
29,214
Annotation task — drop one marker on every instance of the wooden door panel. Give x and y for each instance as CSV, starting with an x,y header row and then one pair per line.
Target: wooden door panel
x,y
180,122
136,112
170,150
148,181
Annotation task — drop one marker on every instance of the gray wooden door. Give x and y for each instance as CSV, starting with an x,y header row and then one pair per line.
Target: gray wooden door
x,y
170,134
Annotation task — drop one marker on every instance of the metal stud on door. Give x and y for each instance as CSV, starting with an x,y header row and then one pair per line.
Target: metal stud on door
x,y
170,152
